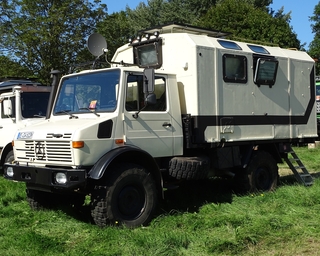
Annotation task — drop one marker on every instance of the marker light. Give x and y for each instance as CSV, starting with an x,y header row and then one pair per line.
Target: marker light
x,y
119,141
61,178
77,144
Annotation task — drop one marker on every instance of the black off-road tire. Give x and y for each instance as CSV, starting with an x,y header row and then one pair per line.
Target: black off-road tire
x,y
262,172
129,198
189,168
39,200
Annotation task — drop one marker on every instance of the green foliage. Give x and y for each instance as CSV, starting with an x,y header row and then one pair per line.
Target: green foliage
x,y
117,30
11,68
159,12
48,34
245,21
231,16
314,48
51,34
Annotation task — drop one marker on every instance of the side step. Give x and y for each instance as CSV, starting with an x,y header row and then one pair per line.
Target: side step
x,y
299,170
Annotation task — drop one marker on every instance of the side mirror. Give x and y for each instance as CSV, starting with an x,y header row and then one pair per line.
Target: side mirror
x,y
151,99
7,107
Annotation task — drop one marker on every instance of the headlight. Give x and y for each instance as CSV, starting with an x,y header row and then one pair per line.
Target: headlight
x,y
61,178
9,171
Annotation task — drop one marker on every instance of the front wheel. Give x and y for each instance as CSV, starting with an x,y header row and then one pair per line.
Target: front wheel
x,y
38,200
129,197
262,172
9,157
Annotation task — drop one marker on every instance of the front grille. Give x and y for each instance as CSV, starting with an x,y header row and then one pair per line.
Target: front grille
x,y
45,151
58,135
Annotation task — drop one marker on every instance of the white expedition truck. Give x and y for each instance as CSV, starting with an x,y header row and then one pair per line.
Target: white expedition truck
x,y
178,103
22,102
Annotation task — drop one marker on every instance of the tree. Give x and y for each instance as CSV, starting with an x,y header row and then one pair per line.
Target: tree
x,y
11,68
314,48
245,21
159,12
117,30
47,34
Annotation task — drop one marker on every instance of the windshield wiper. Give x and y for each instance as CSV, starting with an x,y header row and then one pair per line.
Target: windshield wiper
x,y
67,112
92,111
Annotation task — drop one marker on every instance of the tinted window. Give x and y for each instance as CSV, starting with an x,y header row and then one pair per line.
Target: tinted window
x,y
229,45
266,71
34,104
258,49
234,68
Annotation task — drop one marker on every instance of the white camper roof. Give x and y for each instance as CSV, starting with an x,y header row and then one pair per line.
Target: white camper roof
x,y
181,28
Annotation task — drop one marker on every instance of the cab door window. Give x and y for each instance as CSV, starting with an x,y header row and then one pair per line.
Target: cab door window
x,y
135,98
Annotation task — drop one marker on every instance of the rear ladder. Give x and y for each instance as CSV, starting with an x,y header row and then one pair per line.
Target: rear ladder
x,y
299,170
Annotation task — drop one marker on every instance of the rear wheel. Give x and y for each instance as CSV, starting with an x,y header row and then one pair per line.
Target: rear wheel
x,y
262,172
129,197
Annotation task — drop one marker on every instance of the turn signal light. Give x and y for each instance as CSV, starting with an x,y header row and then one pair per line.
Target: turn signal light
x,y
119,141
77,144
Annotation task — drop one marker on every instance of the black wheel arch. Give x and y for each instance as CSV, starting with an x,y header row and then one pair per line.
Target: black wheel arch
x,y
126,154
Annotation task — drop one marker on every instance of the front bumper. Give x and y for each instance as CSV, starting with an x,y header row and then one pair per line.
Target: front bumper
x,y
45,177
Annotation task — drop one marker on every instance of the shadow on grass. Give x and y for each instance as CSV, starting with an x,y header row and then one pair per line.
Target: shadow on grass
x,y
191,195
188,197
288,180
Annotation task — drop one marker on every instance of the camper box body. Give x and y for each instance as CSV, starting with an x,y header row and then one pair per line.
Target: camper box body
x,y
230,109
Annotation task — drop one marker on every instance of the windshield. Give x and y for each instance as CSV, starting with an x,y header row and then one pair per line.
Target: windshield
x,y
34,104
96,92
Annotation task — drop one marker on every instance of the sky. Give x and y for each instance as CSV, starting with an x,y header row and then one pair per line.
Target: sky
x,y
300,13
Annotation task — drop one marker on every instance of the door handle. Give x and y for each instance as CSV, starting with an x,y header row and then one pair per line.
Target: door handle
x,y
166,125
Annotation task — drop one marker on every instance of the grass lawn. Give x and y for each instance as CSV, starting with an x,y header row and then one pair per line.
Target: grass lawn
x,y
204,218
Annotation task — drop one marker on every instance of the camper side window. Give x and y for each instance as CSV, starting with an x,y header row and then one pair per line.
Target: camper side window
x,y
266,71
234,68
135,96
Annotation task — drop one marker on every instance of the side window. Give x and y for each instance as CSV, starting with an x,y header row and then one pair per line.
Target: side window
x,y
234,68
135,96
265,71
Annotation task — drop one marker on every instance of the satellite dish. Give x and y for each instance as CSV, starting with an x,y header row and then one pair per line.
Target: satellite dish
x,y
96,44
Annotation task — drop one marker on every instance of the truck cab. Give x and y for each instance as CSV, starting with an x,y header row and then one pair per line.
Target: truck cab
x,y
22,102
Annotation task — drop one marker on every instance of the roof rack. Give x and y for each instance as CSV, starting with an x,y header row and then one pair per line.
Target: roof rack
x,y
183,28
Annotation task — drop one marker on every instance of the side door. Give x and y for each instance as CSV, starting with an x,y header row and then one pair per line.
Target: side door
x,y
148,126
